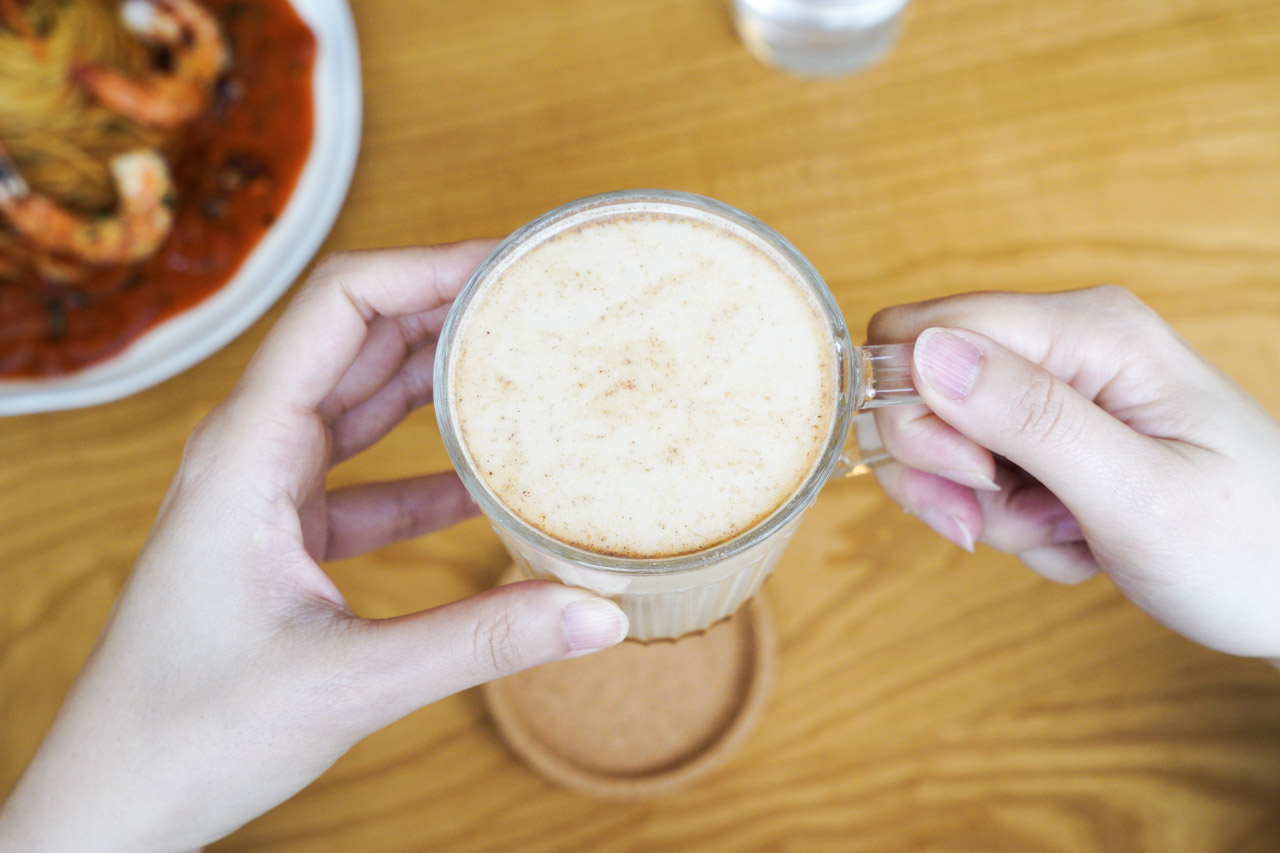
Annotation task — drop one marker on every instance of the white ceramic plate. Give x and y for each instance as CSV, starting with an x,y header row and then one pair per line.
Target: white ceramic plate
x,y
271,267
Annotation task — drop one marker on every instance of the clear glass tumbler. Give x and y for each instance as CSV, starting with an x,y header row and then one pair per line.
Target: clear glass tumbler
x,y
668,597
819,37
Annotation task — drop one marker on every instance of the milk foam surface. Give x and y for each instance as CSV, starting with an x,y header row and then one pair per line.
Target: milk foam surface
x,y
645,384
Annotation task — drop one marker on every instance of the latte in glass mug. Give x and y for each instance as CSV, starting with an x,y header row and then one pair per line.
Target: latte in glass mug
x,y
644,391
644,384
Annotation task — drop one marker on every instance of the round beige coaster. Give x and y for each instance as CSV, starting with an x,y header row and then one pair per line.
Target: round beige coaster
x,y
640,720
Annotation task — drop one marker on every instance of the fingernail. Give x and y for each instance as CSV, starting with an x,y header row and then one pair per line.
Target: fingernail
x,y
1068,530
594,623
949,527
970,480
947,362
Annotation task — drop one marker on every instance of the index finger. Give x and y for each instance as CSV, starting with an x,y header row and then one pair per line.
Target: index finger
x,y
322,331
1087,337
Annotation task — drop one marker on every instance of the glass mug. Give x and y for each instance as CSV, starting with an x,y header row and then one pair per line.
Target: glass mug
x,y
667,597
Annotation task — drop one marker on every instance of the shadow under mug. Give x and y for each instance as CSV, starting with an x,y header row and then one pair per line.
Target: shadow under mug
x,y
668,597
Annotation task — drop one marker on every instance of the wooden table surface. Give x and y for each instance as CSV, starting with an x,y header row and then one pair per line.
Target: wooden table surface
x,y
926,699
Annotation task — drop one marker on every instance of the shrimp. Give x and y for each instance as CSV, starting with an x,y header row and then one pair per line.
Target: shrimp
x,y
13,16
23,259
133,232
188,40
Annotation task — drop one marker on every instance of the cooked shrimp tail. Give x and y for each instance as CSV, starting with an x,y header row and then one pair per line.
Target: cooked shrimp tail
x,y
196,54
134,231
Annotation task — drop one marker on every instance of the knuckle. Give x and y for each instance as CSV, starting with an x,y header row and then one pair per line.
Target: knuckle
x,y
1123,307
330,271
413,328
1120,299
404,515
1043,413
1134,324
337,269
1116,297
497,643
903,434
417,387
333,264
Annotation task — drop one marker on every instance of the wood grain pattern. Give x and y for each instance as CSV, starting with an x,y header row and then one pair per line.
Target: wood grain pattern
x,y
926,699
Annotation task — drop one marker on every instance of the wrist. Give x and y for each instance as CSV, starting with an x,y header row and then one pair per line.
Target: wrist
x,y
63,803
34,833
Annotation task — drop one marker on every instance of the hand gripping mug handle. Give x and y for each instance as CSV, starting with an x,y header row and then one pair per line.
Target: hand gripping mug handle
x,y
881,376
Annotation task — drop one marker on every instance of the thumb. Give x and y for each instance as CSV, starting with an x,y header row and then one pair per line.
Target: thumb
x,y
413,660
1021,411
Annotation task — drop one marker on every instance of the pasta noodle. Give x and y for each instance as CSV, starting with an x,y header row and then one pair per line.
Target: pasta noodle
x,y
58,135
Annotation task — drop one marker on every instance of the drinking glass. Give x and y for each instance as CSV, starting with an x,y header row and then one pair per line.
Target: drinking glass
x,y
668,597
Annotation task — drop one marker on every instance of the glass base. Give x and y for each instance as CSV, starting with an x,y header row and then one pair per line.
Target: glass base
x,y
809,40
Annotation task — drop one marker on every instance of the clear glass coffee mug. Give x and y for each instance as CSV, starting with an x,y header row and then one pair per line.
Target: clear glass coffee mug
x,y
668,597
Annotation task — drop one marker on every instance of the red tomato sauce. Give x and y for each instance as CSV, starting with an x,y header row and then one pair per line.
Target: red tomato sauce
x,y
234,168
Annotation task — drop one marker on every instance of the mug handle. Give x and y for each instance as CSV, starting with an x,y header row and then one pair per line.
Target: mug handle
x,y
881,376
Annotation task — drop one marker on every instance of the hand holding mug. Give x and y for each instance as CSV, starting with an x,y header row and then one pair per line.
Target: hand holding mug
x,y
1080,432
232,672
